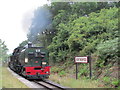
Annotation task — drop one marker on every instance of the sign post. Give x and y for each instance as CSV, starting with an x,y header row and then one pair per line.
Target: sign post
x,y
76,71
90,66
85,59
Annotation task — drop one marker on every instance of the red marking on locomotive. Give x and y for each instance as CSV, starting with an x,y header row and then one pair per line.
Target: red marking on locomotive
x,y
37,69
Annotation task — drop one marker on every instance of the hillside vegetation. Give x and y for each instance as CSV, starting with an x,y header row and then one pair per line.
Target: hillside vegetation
x,y
80,29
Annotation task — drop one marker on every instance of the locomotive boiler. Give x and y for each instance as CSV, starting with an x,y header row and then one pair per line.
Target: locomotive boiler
x,y
30,61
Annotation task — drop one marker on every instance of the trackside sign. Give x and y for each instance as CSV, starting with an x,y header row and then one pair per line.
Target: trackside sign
x,y
81,59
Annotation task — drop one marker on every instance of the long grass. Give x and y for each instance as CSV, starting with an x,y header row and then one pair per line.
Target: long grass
x,y
73,83
9,81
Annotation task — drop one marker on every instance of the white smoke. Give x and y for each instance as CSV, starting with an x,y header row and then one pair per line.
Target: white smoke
x,y
27,20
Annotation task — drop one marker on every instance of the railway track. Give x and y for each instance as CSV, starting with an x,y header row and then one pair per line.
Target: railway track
x,y
50,85
37,84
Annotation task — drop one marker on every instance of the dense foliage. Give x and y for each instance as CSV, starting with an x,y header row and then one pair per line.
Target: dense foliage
x,y
82,35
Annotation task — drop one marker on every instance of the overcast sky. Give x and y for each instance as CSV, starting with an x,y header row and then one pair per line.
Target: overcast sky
x,y
15,16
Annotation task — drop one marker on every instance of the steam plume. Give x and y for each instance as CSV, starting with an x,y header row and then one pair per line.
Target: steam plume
x,y
40,22
27,20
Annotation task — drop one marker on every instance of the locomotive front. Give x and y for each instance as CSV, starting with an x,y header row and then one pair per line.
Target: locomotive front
x,y
35,62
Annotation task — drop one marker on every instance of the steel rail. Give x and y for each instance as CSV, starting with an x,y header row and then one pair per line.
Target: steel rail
x,y
54,84
51,84
43,85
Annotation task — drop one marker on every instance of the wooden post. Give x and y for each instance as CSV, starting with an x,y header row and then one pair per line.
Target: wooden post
x,y
76,71
90,66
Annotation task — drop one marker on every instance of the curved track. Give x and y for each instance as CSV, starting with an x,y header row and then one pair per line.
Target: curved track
x,y
37,83
50,85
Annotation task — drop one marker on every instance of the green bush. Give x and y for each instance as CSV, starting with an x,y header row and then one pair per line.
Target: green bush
x,y
106,80
54,70
108,51
83,71
116,82
62,73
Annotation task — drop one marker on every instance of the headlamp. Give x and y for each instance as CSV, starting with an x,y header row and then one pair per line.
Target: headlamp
x,y
37,50
43,63
26,60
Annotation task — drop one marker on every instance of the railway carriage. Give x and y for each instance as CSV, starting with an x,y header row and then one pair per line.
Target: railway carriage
x,y
30,61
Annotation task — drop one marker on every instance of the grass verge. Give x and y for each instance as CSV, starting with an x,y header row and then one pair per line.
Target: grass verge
x,y
64,74
73,83
9,81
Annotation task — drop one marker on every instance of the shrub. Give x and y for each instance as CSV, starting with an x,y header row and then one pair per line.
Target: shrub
x,y
106,80
108,51
62,73
115,82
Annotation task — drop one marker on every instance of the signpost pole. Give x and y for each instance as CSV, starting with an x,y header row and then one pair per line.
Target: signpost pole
x,y
76,71
90,67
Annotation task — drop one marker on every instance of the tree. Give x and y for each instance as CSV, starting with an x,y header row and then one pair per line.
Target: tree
x,y
83,34
3,51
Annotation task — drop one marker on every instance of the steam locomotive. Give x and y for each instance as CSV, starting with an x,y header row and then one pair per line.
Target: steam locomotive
x,y
30,61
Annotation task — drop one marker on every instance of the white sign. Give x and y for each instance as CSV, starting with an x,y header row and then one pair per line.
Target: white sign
x,y
81,59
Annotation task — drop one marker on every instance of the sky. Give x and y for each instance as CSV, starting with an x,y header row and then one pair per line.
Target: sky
x,y
15,18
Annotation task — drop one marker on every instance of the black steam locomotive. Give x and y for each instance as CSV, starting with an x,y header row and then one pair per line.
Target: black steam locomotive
x,y
30,61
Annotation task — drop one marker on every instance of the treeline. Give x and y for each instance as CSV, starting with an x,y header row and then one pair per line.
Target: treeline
x,y
96,33
3,51
78,29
